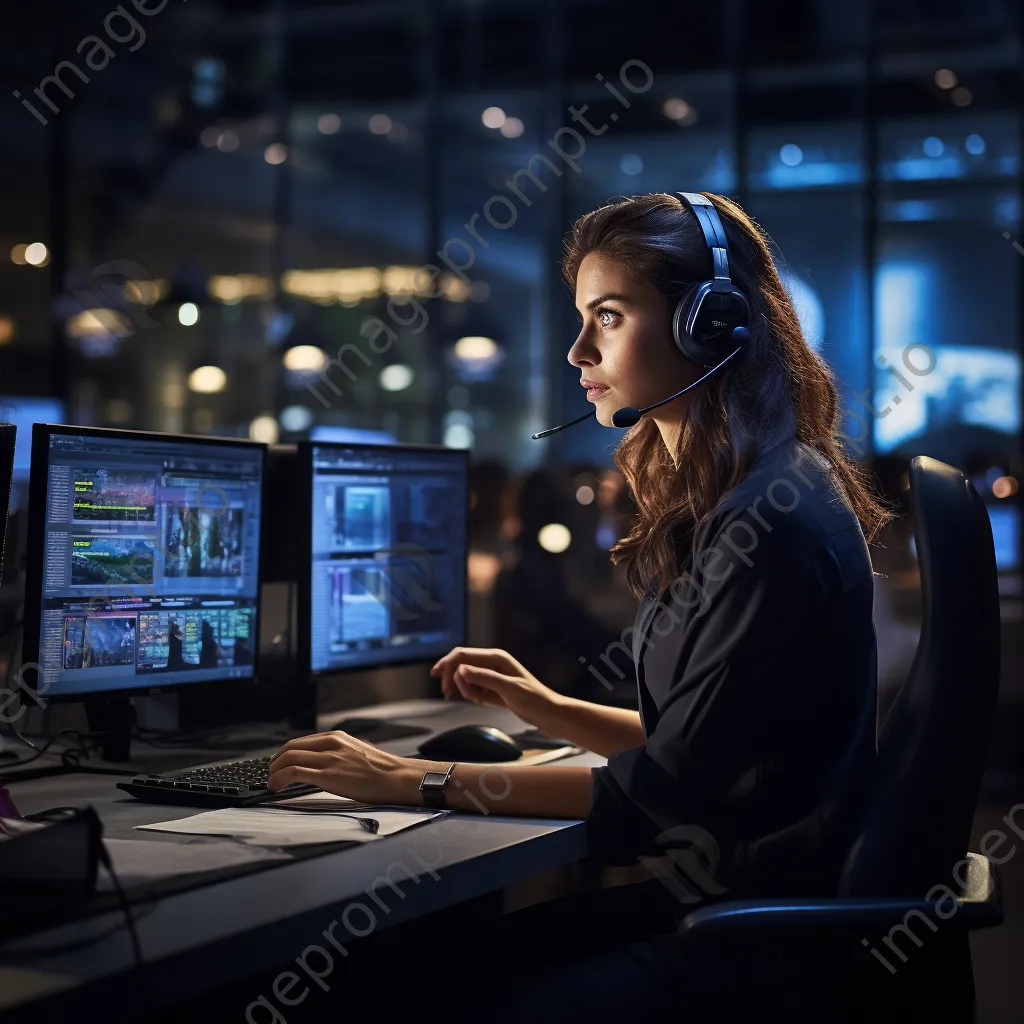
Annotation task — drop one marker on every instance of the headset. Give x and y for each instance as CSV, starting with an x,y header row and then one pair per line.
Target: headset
x,y
711,328
703,330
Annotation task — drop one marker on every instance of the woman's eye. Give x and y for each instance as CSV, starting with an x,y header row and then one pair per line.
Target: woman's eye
x,y
606,317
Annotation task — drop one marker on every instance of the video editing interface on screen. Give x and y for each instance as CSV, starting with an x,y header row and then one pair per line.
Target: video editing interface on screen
x,y
151,563
389,555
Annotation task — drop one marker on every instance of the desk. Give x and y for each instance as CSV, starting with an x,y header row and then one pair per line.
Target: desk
x,y
206,937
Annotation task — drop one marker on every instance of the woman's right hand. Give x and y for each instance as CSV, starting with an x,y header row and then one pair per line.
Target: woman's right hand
x,y
495,678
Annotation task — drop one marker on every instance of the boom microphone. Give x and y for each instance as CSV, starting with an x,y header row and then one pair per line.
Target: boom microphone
x,y
571,423
629,416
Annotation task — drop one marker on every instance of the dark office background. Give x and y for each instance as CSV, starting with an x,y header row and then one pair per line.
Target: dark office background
x,y
226,195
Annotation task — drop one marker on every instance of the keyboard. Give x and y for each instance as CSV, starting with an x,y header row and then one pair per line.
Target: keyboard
x,y
221,784
243,783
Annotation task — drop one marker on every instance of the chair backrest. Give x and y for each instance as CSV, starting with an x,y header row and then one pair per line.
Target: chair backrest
x,y
933,744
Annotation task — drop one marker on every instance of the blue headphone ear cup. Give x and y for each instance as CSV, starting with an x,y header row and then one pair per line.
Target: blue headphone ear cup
x,y
707,346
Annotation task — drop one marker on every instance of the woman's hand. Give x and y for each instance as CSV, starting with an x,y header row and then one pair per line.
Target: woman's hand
x,y
494,678
340,763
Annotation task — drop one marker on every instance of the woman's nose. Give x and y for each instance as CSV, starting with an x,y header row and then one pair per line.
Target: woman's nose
x,y
582,352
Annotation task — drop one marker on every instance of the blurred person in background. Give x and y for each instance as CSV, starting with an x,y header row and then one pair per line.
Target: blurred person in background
x,y
490,509
540,614
489,504
599,516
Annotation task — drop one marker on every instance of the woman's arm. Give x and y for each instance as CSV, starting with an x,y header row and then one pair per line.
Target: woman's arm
x,y
541,791
595,727
494,678
339,763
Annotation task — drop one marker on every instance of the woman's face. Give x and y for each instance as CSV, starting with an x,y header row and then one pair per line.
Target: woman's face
x,y
624,351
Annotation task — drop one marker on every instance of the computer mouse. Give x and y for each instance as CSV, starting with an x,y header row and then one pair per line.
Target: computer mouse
x,y
471,743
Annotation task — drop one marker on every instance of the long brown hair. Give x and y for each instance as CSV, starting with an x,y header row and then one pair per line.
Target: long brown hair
x,y
776,389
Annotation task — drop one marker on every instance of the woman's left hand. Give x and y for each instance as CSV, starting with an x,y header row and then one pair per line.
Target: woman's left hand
x,y
339,763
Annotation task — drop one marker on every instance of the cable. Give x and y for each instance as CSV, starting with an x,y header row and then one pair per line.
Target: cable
x,y
23,737
54,814
140,963
70,758
70,947
73,758
81,738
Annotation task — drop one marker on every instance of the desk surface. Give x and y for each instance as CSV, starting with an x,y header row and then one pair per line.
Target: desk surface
x,y
257,920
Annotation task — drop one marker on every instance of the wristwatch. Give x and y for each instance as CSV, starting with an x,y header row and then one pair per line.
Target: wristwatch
x,y
432,787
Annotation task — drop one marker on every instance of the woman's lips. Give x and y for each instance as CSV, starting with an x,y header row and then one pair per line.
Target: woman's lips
x,y
594,390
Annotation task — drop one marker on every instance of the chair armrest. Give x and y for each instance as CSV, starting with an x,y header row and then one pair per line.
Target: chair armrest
x,y
979,905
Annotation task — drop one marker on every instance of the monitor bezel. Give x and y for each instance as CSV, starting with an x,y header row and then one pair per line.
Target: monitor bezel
x,y
304,581
35,545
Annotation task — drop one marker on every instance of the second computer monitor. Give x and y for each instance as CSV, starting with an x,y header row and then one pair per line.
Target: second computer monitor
x,y
387,556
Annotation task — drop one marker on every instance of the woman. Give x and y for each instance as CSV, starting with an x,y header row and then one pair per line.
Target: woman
x,y
754,648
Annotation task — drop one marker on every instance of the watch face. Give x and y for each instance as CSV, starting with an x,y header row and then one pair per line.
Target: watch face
x,y
432,779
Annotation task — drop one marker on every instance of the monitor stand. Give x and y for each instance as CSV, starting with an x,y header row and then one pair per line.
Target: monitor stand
x,y
112,717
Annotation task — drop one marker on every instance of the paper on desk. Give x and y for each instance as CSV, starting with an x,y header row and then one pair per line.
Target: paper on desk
x,y
138,861
321,800
279,826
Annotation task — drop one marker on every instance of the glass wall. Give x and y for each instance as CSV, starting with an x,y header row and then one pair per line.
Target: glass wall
x,y
277,219
947,286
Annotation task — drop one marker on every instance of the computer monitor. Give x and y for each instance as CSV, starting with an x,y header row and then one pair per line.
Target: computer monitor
x,y
1006,536
387,554
8,442
23,411
143,561
350,435
968,389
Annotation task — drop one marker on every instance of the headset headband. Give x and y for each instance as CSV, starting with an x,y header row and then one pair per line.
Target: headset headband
x,y
711,225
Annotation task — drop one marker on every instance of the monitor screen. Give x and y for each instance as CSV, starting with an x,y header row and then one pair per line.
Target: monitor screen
x,y
388,554
1006,531
23,411
147,559
964,388
350,435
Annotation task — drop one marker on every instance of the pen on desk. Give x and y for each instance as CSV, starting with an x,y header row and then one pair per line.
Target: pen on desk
x,y
370,824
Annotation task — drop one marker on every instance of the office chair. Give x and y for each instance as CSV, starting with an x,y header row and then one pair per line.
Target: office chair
x,y
932,749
